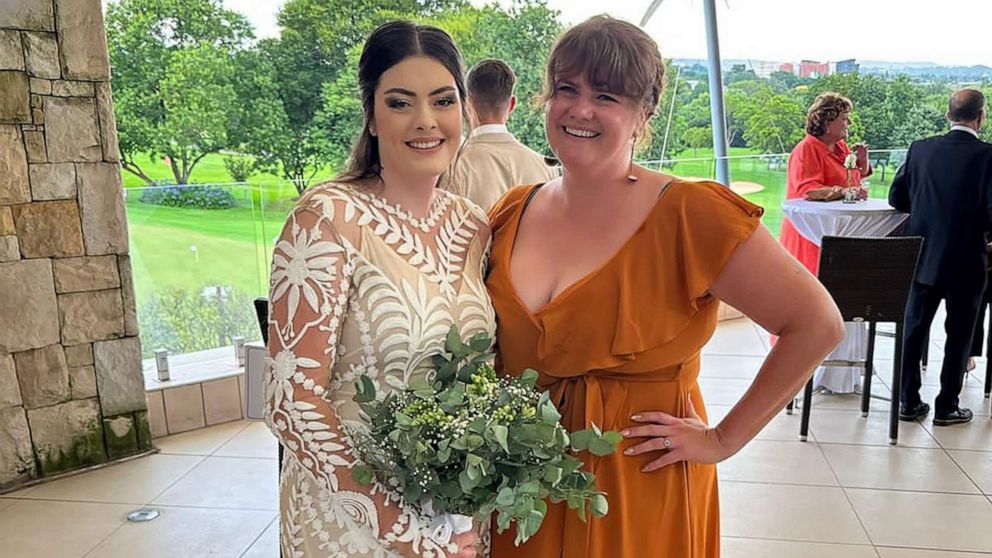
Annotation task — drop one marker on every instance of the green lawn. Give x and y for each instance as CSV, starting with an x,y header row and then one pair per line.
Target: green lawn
x,y
230,245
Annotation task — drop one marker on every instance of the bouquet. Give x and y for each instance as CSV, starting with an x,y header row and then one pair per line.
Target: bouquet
x,y
464,441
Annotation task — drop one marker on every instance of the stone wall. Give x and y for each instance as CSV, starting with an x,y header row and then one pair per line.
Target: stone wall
x,y
71,389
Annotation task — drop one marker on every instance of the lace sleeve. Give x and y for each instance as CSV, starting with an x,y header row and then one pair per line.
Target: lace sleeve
x,y
312,270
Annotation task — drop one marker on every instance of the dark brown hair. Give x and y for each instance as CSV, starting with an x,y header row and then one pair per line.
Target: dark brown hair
x,y
827,107
387,46
490,86
611,54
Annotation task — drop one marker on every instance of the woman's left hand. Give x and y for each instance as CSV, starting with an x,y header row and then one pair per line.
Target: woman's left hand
x,y
681,439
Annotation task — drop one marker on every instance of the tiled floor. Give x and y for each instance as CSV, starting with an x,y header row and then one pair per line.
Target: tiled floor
x,y
844,494
216,489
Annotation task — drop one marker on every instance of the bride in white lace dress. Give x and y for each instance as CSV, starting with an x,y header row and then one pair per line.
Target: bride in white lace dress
x,y
368,275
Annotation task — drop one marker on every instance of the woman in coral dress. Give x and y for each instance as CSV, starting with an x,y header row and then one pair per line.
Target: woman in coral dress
x,y
607,281
817,163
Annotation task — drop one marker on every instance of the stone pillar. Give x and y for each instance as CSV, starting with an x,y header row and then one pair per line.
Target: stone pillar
x,y
71,387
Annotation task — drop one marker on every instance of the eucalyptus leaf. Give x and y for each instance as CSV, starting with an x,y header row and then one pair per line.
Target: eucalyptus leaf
x,y
453,342
420,383
553,474
473,473
529,377
443,455
446,372
599,506
474,441
412,492
613,437
506,497
580,440
601,447
364,389
500,433
466,372
503,521
362,474
467,483
480,342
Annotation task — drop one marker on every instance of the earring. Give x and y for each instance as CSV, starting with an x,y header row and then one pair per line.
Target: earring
x,y
630,168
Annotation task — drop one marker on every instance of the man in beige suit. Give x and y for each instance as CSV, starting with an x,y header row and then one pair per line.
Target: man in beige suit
x,y
492,161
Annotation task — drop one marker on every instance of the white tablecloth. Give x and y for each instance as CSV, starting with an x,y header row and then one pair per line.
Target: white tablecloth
x,y
814,220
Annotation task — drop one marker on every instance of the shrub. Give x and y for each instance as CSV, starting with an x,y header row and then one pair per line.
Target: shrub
x,y
189,196
184,321
239,167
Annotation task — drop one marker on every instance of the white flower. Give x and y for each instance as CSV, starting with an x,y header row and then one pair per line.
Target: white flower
x,y
299,266
285,367
851,161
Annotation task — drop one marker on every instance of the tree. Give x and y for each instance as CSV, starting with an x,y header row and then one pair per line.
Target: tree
x,y
172,62
197,97
699,137
262,125
738,72
774,122
737,104
784,81
339,120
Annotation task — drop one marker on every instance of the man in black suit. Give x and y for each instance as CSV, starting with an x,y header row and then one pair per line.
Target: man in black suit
x,y
945,185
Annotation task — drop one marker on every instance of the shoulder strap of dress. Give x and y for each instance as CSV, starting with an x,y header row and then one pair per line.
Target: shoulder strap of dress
x,y
530,197
666,187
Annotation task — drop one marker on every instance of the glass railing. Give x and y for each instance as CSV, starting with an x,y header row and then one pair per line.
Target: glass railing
x,y
197,254
199,258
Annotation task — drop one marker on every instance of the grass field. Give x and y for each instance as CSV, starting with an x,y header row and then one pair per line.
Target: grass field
x,y
175,248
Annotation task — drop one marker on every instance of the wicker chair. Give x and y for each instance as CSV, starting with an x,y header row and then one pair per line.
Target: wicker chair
x,y
869,280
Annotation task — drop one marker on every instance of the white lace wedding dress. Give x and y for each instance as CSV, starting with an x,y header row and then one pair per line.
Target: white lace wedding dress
x,y
360,286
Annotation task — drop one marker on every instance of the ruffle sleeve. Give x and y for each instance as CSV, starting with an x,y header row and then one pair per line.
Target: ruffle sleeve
x,y
693,238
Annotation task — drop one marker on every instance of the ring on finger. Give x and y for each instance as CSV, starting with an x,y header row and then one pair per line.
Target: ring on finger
x,y
667,442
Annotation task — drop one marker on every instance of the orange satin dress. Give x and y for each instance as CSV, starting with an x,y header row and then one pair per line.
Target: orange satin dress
x,y
623,339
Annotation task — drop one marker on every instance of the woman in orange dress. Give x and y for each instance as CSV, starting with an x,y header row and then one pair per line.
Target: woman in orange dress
x,y
606,280
817,163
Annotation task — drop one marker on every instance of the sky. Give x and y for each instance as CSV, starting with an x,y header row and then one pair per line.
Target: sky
x,y
948,32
